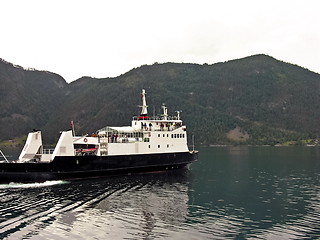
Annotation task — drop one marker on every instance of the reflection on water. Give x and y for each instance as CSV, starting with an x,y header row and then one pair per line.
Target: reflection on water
x,y
133,207
258,192
230,193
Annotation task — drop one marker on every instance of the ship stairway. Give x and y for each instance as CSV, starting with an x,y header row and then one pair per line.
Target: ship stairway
x,y
4,156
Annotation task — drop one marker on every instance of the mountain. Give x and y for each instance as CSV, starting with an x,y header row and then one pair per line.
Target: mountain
x,y
28,98
254,100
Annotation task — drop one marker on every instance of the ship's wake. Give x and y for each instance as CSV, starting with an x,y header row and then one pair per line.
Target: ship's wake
x,y
54,209
31,185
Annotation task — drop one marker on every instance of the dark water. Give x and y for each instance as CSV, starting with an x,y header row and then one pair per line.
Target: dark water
x,y
230,193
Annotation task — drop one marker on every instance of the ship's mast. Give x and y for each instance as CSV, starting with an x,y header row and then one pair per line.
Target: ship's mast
x,y
178,115
165,112
144,107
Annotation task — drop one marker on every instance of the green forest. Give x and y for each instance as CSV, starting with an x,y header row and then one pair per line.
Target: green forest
x,y
256,100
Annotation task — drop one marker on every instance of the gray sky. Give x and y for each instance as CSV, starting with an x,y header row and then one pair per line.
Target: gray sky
x,y
102,38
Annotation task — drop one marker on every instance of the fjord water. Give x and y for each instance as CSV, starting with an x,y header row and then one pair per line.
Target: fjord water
x,y
230,193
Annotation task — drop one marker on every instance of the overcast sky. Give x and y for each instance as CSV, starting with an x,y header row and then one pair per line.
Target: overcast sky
x,y
102,38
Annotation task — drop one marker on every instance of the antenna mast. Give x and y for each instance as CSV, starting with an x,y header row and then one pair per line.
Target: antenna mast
x,y
165,112
144,106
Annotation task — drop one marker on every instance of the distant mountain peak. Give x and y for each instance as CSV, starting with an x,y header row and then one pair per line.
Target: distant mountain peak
x,y
276,100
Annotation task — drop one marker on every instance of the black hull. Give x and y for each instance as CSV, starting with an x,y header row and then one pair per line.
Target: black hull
x,y
80,167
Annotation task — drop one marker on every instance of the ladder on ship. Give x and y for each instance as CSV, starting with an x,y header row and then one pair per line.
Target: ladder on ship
x,y
104,145
4,156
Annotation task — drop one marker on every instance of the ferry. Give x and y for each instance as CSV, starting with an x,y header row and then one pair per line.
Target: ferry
x,y
157,143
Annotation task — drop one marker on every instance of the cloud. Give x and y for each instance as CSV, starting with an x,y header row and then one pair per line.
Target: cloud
x,y
107,38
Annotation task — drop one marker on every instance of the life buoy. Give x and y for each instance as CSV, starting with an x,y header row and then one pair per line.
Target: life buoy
x,y
85,140
149,134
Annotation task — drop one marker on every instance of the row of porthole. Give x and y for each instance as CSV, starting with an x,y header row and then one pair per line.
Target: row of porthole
x,y
163,135
159,146
176,135
181,135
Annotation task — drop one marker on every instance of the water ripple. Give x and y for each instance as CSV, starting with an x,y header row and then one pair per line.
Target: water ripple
x,y
231,198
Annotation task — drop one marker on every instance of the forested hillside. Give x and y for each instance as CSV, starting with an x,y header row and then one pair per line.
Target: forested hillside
x,y
28,98
254,100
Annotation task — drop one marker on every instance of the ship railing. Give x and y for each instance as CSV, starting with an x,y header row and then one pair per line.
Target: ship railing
x,y
158,118
4,156
164,128
171,128
124,140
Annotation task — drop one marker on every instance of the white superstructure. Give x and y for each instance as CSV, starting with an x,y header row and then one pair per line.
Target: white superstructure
x,y
145,135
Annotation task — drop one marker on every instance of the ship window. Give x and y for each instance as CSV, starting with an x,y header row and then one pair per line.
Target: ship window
x,y
167,145
158,135
83,146
163,135
181,135
171,135
149,146
158,146
167,135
